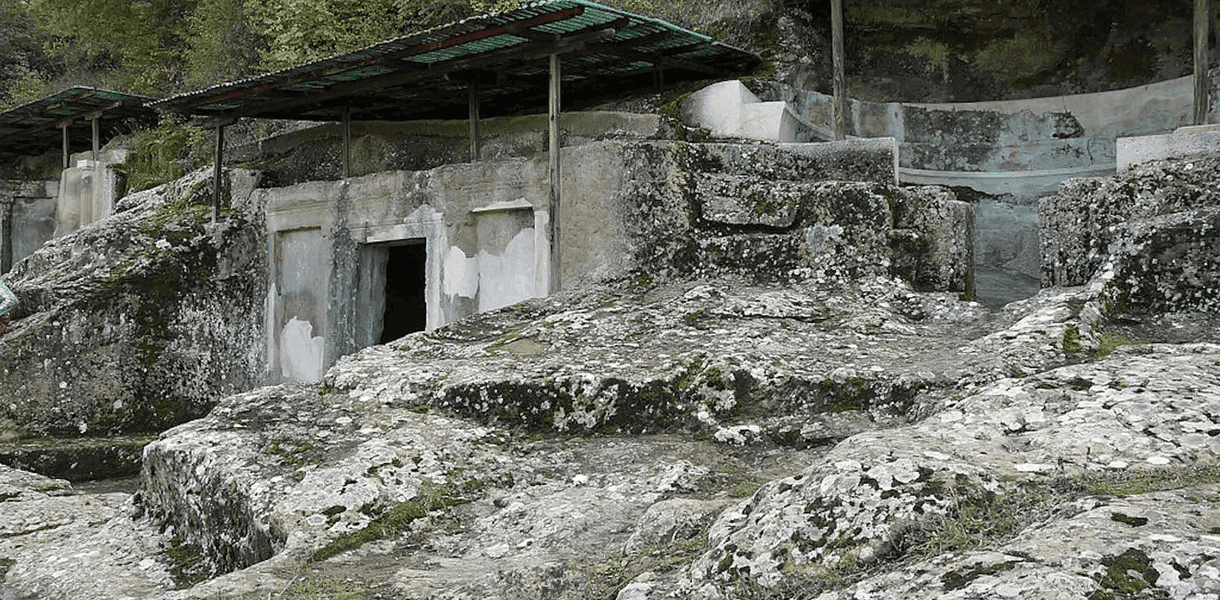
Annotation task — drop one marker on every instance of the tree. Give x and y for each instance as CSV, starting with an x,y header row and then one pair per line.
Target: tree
x,y
136,44
22,60
299,31
221,44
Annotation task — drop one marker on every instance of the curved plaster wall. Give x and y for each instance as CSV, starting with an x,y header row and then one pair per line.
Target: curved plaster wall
x,y
1019,147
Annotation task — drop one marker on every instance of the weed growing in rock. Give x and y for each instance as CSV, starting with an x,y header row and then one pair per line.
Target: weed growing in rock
x,y
1110,342
316,589
605,579
185,565
1142,481
394,521
742,490
1071,340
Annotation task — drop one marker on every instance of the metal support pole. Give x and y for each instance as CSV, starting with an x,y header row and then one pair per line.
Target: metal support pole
x,y
553,107
840,80
218,165
1202,85
6,234
67,152
476,133
347,142
97,138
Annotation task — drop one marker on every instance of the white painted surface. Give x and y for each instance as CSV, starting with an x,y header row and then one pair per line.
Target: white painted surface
x,y
461,276
1186,142
301,352
729,110
508,278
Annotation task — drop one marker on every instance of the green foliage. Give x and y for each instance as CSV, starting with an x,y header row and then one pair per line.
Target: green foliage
x,y
158,154
1127,575
1110,342
185,562
137,44
25,85
1071,339
221,45
20,49
935,52
742,490
299,31
393,521
1026,55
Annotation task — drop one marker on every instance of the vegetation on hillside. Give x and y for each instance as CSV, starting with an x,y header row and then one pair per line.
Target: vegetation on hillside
x,y
157,47
930,51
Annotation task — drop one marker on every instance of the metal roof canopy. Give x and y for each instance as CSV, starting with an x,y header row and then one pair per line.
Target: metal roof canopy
x,y
34,128
605,51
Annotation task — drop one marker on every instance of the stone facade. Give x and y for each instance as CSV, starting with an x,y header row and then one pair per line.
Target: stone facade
x,y
1148,230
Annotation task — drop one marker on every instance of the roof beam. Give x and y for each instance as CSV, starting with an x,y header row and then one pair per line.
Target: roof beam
x,y
307,75
565,45
654,59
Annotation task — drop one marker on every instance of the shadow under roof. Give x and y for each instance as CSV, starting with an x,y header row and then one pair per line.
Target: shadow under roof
x,y
605,53
33,128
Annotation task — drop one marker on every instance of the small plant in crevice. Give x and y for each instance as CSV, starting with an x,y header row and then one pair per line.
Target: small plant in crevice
x,y
1071,340
187,566
159,153
1109,342
394,521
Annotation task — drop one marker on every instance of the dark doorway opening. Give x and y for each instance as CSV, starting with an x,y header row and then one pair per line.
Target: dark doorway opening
x,y
406,307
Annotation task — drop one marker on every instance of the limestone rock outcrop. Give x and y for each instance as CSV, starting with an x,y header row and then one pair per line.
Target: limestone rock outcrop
x,y
138,322
1151,232
712,433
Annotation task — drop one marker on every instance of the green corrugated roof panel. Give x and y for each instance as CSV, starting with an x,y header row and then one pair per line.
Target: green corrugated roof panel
x,y
32,127
485,45
476,44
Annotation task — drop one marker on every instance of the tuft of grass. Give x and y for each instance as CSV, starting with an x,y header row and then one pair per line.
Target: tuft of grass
x,y
1071,340
316,589
743,490
606,578
1109,342
1131,482
394,521
185,563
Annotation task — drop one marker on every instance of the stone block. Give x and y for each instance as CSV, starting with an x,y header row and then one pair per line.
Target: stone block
x,y
1184,142
729,110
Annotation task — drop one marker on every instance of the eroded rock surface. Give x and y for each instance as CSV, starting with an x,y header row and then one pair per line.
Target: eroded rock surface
x,y
827,436
59,542
136,323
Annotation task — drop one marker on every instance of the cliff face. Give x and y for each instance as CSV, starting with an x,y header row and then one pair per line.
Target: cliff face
x,y
834,435
139,324
954,51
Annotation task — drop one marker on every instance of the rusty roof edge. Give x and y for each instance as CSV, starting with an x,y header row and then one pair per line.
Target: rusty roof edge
x,y
184,100
73,93
169,102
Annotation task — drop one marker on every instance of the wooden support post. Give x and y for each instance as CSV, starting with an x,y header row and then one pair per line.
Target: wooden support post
x,y
840,80
1202,85
553,107
6,235
97,138
347,142
476,140
67,150
216,172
